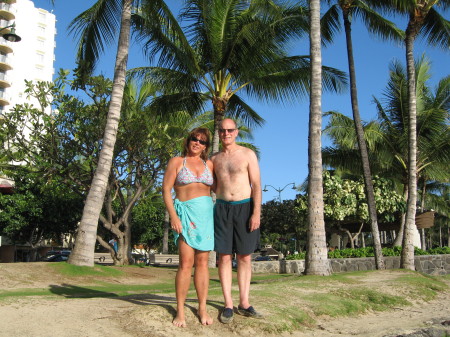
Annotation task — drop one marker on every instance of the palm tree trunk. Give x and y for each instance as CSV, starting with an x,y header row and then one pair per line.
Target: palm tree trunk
x,y
407,258
399,235
316,258
423,241
165,247
379,261
83,254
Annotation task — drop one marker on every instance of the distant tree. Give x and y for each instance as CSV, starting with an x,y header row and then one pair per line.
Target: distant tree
x,y
148,222
38,210
283,218
345,202
66,145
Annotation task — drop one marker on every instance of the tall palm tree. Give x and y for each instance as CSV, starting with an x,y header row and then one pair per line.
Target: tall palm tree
x,y
226,49
387,138
423,19
384,28
94,25
316,257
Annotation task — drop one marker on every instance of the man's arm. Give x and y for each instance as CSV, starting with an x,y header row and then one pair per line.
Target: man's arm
x,y
255,181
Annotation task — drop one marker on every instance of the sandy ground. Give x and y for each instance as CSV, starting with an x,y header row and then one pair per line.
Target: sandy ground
x,y
151,315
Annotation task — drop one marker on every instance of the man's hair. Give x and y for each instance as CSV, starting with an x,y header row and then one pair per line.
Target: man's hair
x,y
195,133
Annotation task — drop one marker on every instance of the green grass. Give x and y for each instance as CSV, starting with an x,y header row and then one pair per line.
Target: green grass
x,y
70,270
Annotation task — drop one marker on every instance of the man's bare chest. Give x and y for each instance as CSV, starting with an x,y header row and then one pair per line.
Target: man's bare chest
x,y
226,166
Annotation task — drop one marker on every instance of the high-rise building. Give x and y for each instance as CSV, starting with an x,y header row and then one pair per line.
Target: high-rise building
x,y
29,59
27,44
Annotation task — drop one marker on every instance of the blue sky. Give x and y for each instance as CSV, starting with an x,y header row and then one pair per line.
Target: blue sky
x,y
283,140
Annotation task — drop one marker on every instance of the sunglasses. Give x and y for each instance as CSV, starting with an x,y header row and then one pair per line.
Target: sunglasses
x,y
227,130
203,142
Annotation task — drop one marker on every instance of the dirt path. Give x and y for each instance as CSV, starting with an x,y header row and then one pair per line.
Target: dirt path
x,y
151,315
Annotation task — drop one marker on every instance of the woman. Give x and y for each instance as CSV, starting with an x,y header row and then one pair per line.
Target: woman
x,y
191,219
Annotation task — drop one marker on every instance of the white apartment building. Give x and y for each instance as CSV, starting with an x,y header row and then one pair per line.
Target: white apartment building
x,y
32,57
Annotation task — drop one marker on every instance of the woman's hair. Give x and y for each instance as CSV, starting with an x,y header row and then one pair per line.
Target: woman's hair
x,y
197,132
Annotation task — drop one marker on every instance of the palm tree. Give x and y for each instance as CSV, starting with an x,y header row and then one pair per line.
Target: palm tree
x,y
95,24
384,28
226,48
387,138
316,257
424,19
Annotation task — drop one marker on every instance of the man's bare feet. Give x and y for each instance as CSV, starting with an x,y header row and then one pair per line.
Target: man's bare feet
x,y
205,319
179,321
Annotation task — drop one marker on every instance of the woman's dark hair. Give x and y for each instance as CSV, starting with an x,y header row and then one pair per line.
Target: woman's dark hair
x,y
197,132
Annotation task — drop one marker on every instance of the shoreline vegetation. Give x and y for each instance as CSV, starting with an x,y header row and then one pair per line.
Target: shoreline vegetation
x,y
369,252
291,303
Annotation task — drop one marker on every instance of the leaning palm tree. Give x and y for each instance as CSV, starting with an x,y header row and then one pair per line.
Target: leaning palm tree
x,y
316,257
95,25
224,50
386,29
425,20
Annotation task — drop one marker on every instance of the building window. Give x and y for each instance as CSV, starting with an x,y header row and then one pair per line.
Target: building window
x,y
41,30
41,44
40,58
42,16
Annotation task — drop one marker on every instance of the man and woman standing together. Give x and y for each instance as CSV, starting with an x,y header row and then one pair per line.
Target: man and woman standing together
x,y
231,226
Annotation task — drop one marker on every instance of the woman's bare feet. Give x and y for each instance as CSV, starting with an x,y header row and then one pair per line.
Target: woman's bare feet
x,y
205,319
179,321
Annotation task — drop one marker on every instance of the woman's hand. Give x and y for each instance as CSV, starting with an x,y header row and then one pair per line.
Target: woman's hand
x,y
175,224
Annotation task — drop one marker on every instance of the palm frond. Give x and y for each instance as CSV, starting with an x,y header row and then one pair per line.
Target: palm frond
x,y
96,28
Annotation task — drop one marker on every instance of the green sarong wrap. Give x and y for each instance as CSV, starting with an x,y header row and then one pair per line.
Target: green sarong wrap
x,y
197,221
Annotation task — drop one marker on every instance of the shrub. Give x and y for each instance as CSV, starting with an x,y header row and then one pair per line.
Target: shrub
x,y
369,252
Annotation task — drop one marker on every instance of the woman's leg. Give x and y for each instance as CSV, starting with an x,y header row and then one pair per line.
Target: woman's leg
x,y
201,281
183,279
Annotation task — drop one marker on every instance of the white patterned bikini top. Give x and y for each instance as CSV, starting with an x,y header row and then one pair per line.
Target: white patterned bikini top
x,y
185,176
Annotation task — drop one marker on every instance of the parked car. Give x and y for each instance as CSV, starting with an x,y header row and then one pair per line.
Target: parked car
x,y
55,258
263,258
55,252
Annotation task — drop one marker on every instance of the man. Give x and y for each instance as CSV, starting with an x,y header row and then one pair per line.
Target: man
x,y
237,216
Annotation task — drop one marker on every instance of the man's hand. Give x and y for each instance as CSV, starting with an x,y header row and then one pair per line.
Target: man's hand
x,y
255,222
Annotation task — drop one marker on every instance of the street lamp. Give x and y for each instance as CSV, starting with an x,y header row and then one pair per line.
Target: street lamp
x,y
11,36
279,190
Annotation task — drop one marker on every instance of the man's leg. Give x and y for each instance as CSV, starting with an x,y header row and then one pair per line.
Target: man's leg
x,y
244,276
226,278
183,280
201,281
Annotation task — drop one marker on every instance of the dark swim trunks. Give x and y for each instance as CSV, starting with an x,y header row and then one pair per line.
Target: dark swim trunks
x,y
231,227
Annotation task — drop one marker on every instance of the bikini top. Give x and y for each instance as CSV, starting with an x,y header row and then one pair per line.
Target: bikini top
x,y
185,176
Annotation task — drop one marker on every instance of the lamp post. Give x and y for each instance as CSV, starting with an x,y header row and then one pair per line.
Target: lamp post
x,y
279,190
11,36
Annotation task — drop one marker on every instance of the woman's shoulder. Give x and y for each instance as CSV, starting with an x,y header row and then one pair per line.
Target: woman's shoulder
x,y
176,161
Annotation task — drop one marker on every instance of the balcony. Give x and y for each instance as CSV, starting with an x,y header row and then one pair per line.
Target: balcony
x,y
5,63
4,81
6,46
4,100
7,11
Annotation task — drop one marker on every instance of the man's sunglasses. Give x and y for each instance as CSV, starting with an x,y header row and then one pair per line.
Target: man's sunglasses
x,y
194,139
227,130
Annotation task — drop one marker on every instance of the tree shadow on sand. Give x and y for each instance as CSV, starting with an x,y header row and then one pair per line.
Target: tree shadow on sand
x,y
166,302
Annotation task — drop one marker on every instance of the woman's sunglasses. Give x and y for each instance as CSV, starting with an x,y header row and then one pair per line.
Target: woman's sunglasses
x,y
194,139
